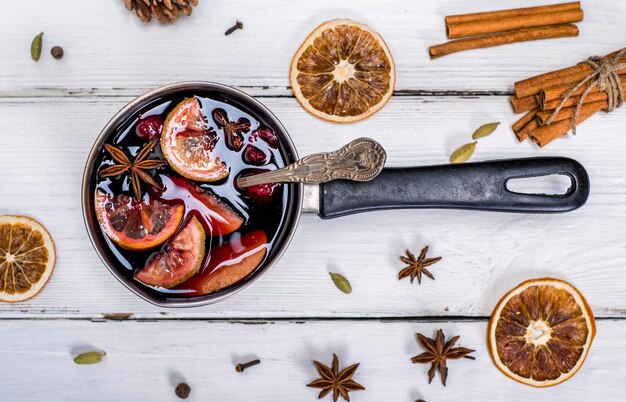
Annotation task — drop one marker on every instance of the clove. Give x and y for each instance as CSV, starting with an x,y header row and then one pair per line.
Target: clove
x,y
238,25
242,366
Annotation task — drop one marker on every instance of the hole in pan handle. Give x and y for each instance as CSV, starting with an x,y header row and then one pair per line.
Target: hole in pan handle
x,y
552,184
474,186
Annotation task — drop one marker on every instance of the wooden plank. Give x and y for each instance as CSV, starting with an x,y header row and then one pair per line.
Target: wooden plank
x,y
145,361
45,142
109,51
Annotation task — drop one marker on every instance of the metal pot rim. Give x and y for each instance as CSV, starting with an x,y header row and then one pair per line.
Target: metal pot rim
x,y
293,214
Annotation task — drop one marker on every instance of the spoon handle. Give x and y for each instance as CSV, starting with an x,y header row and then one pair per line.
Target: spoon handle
x,y
359,160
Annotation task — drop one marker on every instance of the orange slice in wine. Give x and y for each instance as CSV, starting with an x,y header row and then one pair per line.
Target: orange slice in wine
x,y
180,258
137,225
220,218
27,258
230,263
540,332
189,146
343,72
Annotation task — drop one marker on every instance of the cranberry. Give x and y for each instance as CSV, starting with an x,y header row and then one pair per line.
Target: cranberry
x,y
263,193
149,127
267,135
254,156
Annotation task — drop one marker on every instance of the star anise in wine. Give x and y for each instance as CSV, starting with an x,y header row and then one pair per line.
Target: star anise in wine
x,y
332,380
233,130
438,351
137,167
417,266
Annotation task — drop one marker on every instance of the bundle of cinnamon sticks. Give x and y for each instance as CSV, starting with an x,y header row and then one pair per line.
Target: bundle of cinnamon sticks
x,y
496,28
540,96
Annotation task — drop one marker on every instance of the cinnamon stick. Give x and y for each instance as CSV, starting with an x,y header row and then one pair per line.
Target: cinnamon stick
x,y
515,22
593,96
521,105
521,127
568,112
518,125
544,135
527,130
564,76
455,19
503,38
559,91
532,86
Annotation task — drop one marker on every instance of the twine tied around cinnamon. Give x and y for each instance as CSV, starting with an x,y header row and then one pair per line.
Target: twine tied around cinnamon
x,y
604,76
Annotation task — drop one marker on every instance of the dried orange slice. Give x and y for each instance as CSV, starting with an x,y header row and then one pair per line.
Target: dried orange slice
x,y
540,332
343,72
27,258
189,145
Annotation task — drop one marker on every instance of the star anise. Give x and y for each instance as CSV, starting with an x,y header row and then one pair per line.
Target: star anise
x,y
333,380
438,352
233,130
417,266
137,167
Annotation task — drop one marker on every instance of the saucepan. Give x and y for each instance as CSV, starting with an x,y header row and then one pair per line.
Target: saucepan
x,y
347,181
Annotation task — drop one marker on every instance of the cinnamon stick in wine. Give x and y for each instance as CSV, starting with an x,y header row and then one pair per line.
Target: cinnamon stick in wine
x,y
503,24
503,38
455,19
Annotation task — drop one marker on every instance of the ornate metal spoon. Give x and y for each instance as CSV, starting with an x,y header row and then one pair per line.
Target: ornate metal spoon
x,y
359,160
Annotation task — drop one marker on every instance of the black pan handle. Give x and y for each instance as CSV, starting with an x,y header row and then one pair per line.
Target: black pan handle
x,y
478,186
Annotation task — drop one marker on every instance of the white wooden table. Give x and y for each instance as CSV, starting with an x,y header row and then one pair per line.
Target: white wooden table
x,y
52,111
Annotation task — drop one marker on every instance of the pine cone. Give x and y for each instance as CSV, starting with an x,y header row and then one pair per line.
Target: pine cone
x,y
163,10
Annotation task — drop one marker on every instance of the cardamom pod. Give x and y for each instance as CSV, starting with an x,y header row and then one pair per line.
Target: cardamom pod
x,y
485,130
463,153
341,282
35,47
89,358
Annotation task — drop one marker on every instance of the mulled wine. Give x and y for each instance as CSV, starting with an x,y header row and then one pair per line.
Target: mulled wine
x,y
166,199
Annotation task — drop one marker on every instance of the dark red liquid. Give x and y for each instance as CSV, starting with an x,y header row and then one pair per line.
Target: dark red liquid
x,y
260,150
